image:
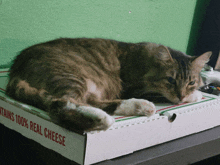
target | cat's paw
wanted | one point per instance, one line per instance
(136, 107)
(194, 97)
(89, 118)
(102, 120)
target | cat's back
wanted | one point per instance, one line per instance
(65, 52)
(85, 63)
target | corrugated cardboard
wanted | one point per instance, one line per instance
(126, 135)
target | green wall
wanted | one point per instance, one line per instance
(26, 22)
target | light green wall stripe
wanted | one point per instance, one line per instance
(26, 22)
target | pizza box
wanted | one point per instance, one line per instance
(125, 136)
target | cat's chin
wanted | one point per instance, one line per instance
(156, 98)
(171, 99)
(177, 101)
(193, 97)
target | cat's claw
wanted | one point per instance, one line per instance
(136, 107)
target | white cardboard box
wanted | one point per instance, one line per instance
(128, 134)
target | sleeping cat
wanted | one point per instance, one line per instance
(82, 82)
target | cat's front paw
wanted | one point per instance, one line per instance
(194, 97)
(136, 107)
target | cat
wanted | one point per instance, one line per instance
(81, 82)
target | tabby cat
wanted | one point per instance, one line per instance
(81, 82)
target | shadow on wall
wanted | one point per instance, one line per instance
(205, 30)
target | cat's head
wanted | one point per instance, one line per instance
(174, 74)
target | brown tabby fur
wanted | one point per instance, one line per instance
(99, 73)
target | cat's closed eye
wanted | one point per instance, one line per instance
(171, 80)
(192, 82)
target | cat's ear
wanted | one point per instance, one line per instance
(164, 53)
(199, 62)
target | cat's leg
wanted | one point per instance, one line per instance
(75, 116)
(63, 108)
(130, 107)
(135, 107)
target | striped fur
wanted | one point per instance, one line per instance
(81, 81)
